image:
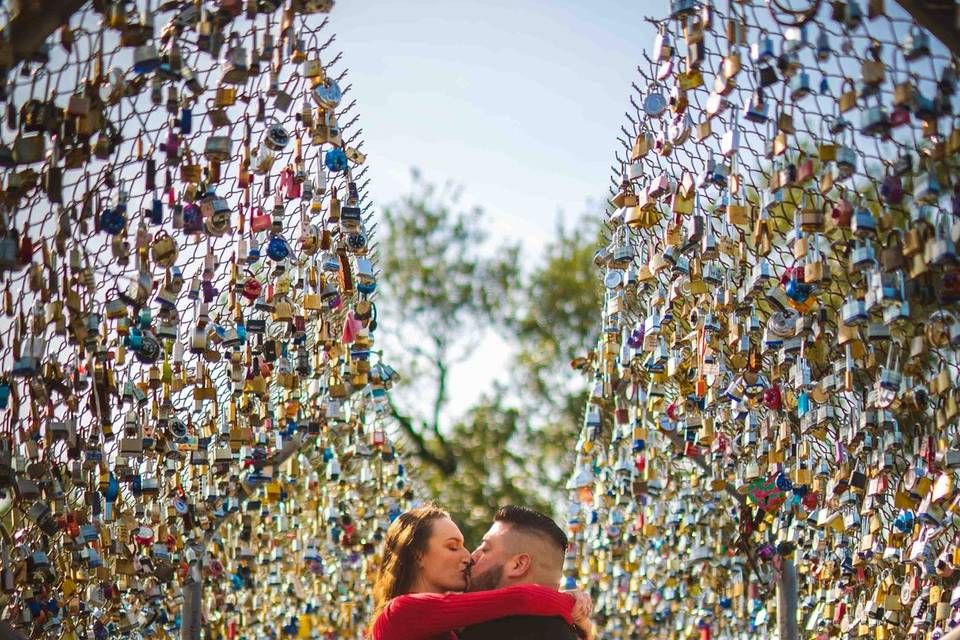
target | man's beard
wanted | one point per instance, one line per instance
(486, 581)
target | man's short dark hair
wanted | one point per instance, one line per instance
(531, 521)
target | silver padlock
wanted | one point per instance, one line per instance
(235, 69)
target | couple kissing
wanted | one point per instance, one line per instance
(430, 587)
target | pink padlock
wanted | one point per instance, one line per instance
(351, 327)
(289, 184)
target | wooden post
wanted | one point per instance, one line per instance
(787, 624)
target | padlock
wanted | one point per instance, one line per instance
(916, 44)
(800, 86)
(662, 47)
(875, 121)
(862, 257)
(756, 108)
(163, 250)
(145, 59)
(853, 312)
(234, 66)
(761, 51)
(941, 249)
(890, 376)
(847, 160)
(327, 94)
(276, 137)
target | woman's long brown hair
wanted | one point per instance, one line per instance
(405, 543)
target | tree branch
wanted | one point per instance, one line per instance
(441, 398)
(446, 464)
(438, 403)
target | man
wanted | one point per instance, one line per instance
(522, 547)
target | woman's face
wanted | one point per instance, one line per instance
(446, 561)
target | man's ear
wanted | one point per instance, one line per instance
(518, 566)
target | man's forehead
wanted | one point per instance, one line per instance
(496, 530)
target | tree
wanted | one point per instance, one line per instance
(445, 289)
(557, 323)
(448, 284)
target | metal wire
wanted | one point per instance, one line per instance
(621, 510)
(257, 572)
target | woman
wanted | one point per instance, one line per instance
(424, 567)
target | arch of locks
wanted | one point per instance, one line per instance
(190, 394)
(192, 406)
(774, 399)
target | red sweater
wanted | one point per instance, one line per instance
(435, 616)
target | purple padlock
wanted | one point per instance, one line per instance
(209, 291)
(171, 147)
(635, 341)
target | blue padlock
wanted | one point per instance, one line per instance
(336, 161)
(156, 211)
(134, 340)
(186, 121)
(761, 51)
(113, 221)
(113, 489)
(756, 110)
(783, 483)
(278, 249)
(796, 290)
(803, 404)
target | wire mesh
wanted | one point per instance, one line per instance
(171, 461)
(662, 526)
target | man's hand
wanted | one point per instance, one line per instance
(582, 610)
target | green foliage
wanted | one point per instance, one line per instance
(432, 253)
(449, 284)
(559, 315)
(493, 467)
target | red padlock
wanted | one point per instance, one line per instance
(143, 536)
(252, 288)
(672, 409)
(772, 398)
(842, 213)
(26, 249)
(259, 221)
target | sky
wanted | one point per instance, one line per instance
(519, 102)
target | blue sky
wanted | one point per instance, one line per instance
(519, 102)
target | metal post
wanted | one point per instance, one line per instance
(939, 18)
(7, 632)
(190, 613)
(952, 635)
(190, 620)
(787, 623)
(35, 21)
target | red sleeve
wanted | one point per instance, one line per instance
(422, 615)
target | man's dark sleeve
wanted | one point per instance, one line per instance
(520, 628)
